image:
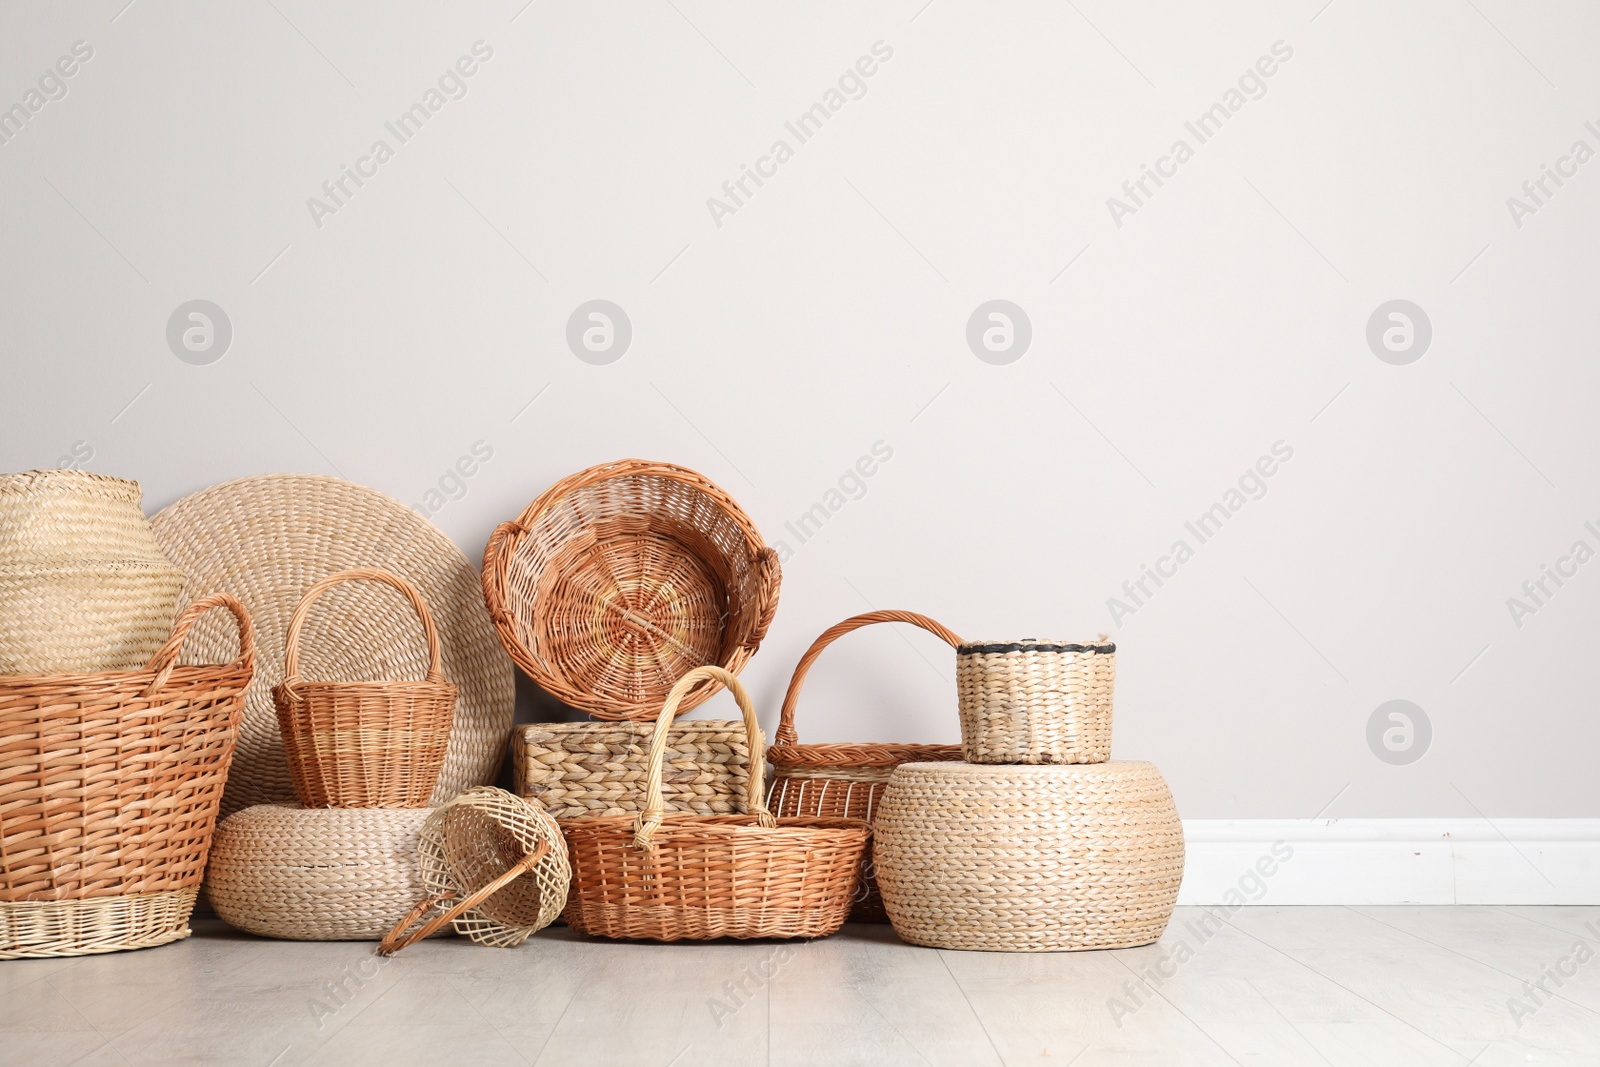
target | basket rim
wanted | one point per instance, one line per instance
(1034, 644)
(375, 688)
(734, 827)
(857, 754)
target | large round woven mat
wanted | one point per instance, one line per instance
(267, 540)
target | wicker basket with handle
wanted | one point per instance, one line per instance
(364, 744)
(109, 787)
(1034, 701)
(844, 780)
(674, 877)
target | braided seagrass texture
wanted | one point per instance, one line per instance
(577, 769)
(844, 780)
(364, 744)
(83, 586)
(269, 539)
(618, 580)
(316, 874)
(109, 787)
(672, 877)
(1036, 701)
(1029, 858)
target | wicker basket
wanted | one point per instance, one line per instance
(1036, 701)
(620, 579)
(364, 744)
(578, 769)
(316, 874)
(844, 780)
(109, 786)
(679, 877)
(1029, 858)
(83, 585)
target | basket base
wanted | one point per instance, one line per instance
(643, 923)
(47, 929)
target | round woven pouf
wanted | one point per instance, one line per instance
(1042, 858)
(316, 874)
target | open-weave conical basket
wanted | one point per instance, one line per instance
(1032, 858)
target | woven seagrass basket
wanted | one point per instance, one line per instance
(83, 584)
(316, 874)
(364, 744)
(1036, 701)
(673, 877)
(844, 780)
(620, 579)
(577, 769)
(1029, 858)
(109, 787)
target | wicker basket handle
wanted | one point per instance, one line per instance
(786, 731)
(297, 621)
(655, 807)
(398, 938)
(166, 657)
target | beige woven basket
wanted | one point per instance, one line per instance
(83, 585)
(1036, 701)
(578, 769)
(316, 874)
(1029, 858)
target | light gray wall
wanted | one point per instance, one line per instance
(1172, 346)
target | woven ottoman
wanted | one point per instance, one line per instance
(1028, 858)
(316, 874)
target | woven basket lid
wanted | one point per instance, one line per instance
(268, 539)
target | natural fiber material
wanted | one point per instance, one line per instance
(109, 786)
(1036, 701)
(844, 780)
(309, 874)
(269, 539)
(678, 877)
(496, 866)
(577, 769)
(364, 744)
(83, 586)
(1029, 858)
(621, 578)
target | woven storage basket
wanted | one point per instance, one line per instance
(316, 874)
(844, 780)
(83, 585)
(620, 579)
(673, 877)
(1036, 701)
(497, 867)
(577, 769)
(364, 744)
(1029, 858)
(109, 786)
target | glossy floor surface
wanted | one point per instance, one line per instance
(1411, 986)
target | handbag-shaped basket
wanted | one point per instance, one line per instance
(109, 788)
(1034, 701)
(844, 780)
(364, 744)
(674, 877)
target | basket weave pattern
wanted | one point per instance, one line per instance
(1029, 858)
(670, 877)
(364, 744)
(1036, 701)
(109, 788)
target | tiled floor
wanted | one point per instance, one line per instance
(1338, 986)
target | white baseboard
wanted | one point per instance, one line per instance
(1392, 861)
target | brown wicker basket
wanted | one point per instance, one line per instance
(364, 744)
(1036, 701)
(677, 877)
(620, 579)
(109, 786)
(844, 780)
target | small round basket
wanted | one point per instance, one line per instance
(620, 579)
(1036, 701)
(364, 744)
(1029, 858)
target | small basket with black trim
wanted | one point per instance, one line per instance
(1036, 701)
